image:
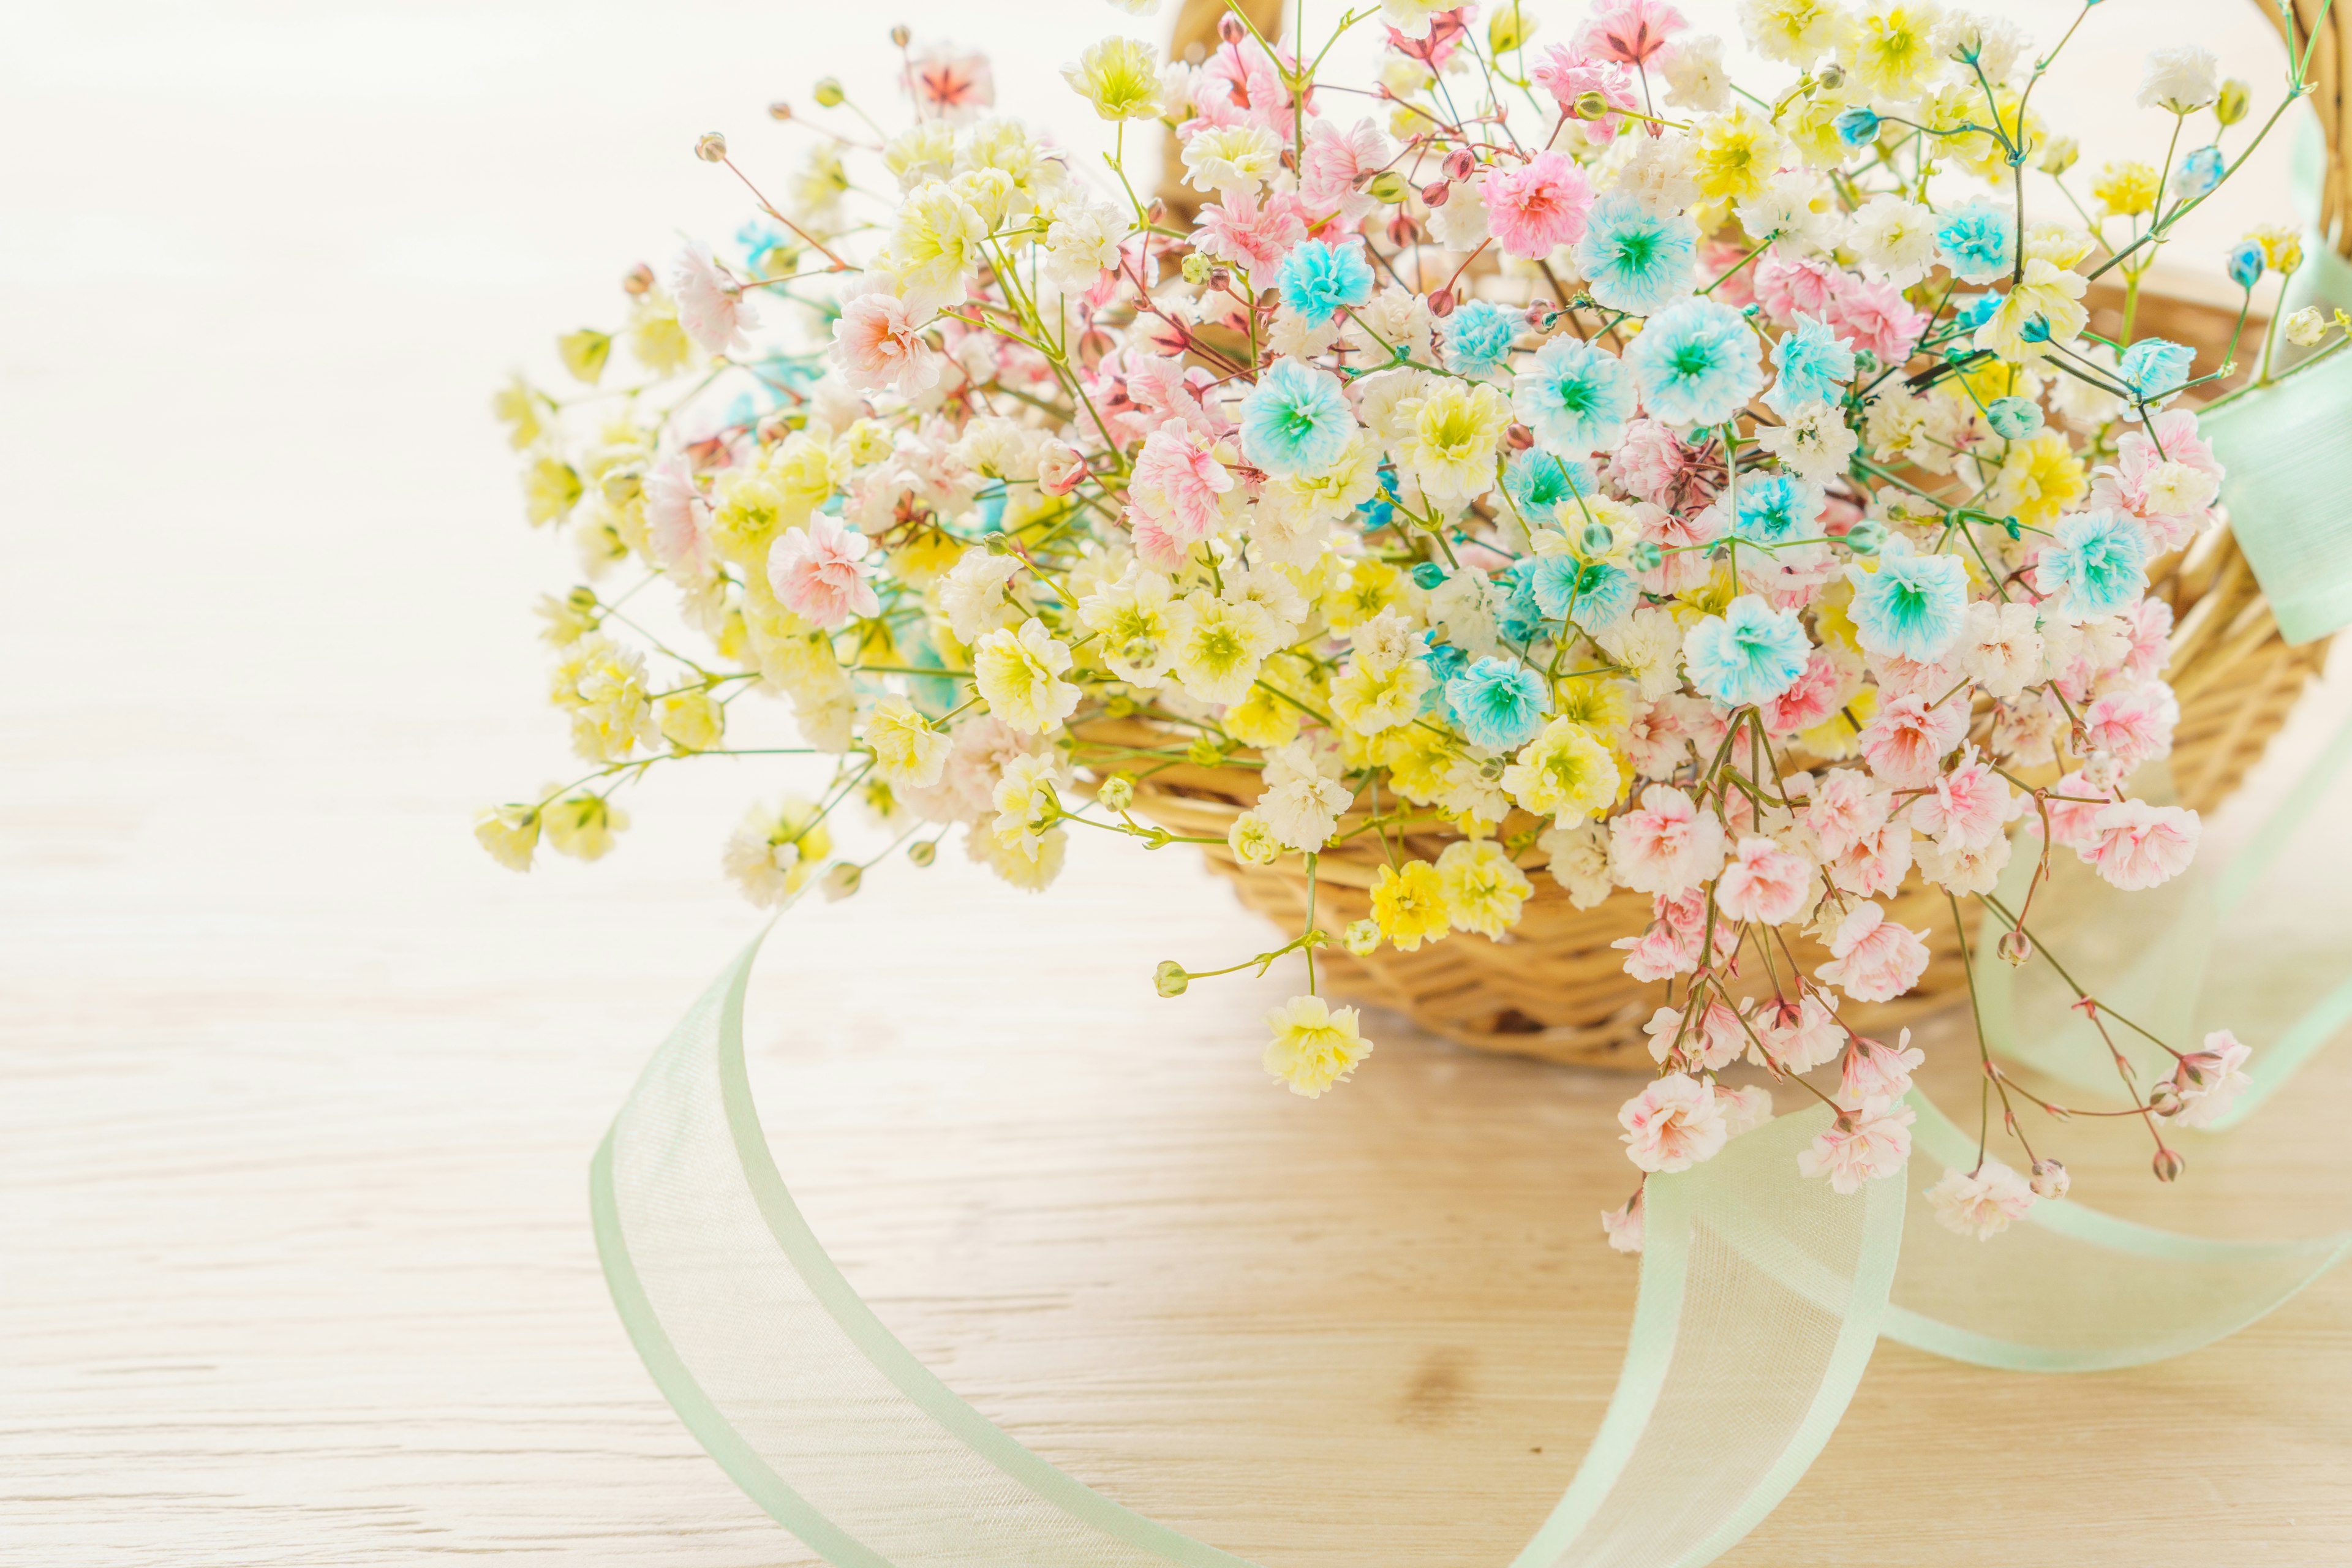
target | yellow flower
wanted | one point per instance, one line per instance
(1811, 125)
(1019, 677)
(1887, 50)
(691, 720)
(1449, 444)
(1370, 586)
(1601, 706)
(2125, 189)
(2282, 248)
(2039, 479)
(509, 833)
(1120, 77)
(800, 472)
(1736, 155)
(1794, 31)
(1315, 1045)
(604, 685)
(550, 489)
(926, 558)
(773, 853)
(1420, 759)
(908, 751)
(1564, 773)
(583, 826)
(1252, 841)
(1409, 903)
(1220, 646)
(1026, 804)
(1369, 698)
(515, 404)
(924, 151)
(1262, 719)
(935, 242)
(2047, 293)
(1135, 618)
(656, 340)
(1483, 888)
(584, 352)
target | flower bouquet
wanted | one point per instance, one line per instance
(1611, 554)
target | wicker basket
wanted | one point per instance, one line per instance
(1554, 986)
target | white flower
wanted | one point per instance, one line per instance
(1303, 797)
(1025, 803)
(1082, 240)
(1655, 171)
(1796, 208)
(2180, 78)
(1983, 1203)
(1695, 75)
(2305, 327)
(972, 594)
(1579, 861)
(1650, 646)
(1230, 159)
(1815, 443)
(1893, 239)
(1992, 44)
(711, 305)
(2000, 647)
(1461, 222)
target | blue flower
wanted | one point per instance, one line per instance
(1477, 338)
(2198, 173)
(2014, 418)
(1775, 509)
(1911, 605)
(1814, 367)
(1978, 240)
(1445, 660)
(1593, 594)
(1296, 419)
(1857, 125)
(1749, 654)
(1316, 280)
(1540, 484)
(2244, 263)
(1634, 260)
(1970, 311)
(1697, 363)
(2154, 368)
(1575, 397)
(2100, 559)
(1381, 510)
(1517, 617)
(1497, 703)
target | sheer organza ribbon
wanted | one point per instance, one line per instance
(1762, 1294)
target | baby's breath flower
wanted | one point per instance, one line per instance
(583, 826)
(1120, 77)
(510, 833)
(1019, 676)
(1315, 1045)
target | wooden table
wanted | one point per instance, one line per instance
(297, 1090)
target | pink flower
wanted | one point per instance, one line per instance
(1748, 1107)
(677, 519)
(1982, 1202)
(1874, 864)
(1250, 232)
(1901, 677)
(1672, 1124)
(1716, 259)
(1657, 743)
(1537, 207)
(710, 304)
(1815, 695)
(1877, 317)
(1874, 959)
(2133, 726)
(1629, 31)
(1667, 846)
(815, 571)
(1623, 1225)
(1652, 464)
(1713, 1042)
(1788, 287)
(1906, 741)
(1568, 77)
(1863, 1145)
(1967, 806)
(2169, 490)
(1845, 809)
(952, 86)
(2151, 633)
(2073, 803)
(2207, 1083)
(1060, 466)
(1873, 1072)
(1179, 485)
(879, 348)
(1334, 161)
(1763, 883)
(1670, 945)
(2134, 845)
(1798, 1033)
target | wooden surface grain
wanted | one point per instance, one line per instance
(297, 1090)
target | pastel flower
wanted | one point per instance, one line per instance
(1484, 890)
(1314, 1046)
(1791, 285)
(1817, 695)
(2207, 1083)
(1499, 703)
(1019, 675)
(1450, 443)
(1763, 883)
(1873, 959)
(1296, 420)
(1538, 206)
(2199, 172)
(2134, 725)
(1408, 905)
(1179, 483)
(1978, 240)
(1875, 317)
(1563, 773)
(1798, 1035)
(1477, 338)
(1814, 367)
(1219, 645)
(1776, 509)
(2098, 563)
(1301, 802)
(1231, 160)
(1629, 31)
(1592, 594)
(1120, 77)
(1568, 75)
(1873, 1071)
(1543, 486)
(1328, 172)
(1967, 806)
(2182, 79)
(2155, 368)
(1666, 845)
(1319, 278)
(950, 86)
(1979, 1203)
(2132, 845)
(710, 304)
(1575, 396)
(815, 571)
(1252, 234)
(877, 346)
(1712, 1041)
(1748, 654)
(677, 519)
(1623, 1225)
(1026, 804)
(1845, 809)
(1905, 740)
(1697, 363)
(908, 753)
(1866, 1145)
(1672, 1124)
(1913, 605)
(1634, 259)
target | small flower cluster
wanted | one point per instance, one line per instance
(1642, 482)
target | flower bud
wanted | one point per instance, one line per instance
(1831, 76)
(1646, 555)
(1220, 277)
(1441, 303)
(1511, 28)
(902, 34)
(1204, 751)
(637, 279)
(2015, 947)
(923, 851)
(710, 147)
(1434, 194)
(1518, 437)
(2164, 1100)
(1117, 792)
(2305, 327)
(2169, 1165)
(2058, 155)
(2236, 98)
(779, 109)
(1229, 28)
(1170, 979)
(1362, 937)
(1866, 537)
(828, 92)
(1389, 186)
(1460, 165)
(841, 879)
(1402, 230)
(2014, 418)
(1541, 317)
(1195, 267)
(2050, 1179)
(1597, 539)
(1590, 106)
